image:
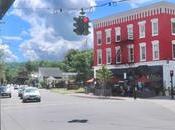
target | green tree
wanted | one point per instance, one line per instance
(80, 62)
(104, 75)
(2, 67)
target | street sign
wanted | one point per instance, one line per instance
(171, 73)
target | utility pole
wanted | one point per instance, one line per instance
(172, 89)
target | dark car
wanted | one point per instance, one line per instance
(5, 91)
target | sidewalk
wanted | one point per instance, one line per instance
(162, 101)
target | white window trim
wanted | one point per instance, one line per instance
(99, 51)
(108, 49)
(129, 57)
(155, 20)
(130, 26)
(106, 31)
(173, 56)
(116, 49)
(99, 33)
(117, 28)
(142, 45)
(140, 24)
(172, 21)
(156, 42)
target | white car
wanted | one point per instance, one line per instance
(31, 94)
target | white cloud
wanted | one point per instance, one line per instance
(12, 38)
(8, 56)
(136, 3)
(51, 34)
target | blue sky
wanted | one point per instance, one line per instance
(40, 34)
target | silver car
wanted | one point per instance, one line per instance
(31, 94)
(5, 91)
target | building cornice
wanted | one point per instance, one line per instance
(134, 14)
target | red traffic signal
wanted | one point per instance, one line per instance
(85, 20)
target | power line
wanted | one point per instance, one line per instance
(61, 10)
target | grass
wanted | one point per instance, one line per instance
(65, 91)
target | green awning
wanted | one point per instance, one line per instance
(4, 6)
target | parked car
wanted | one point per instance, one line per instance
(16, 86)
(31, 94)
(5, 91)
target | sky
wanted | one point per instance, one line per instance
(37, 30)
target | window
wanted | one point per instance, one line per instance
(155, 47)
(118, 34)
(99, 56)
(108, 55)
(142, 29)
(154, 23)
(108, 36)
(173, 49)
(173, 26)
(142, 51)
(130, 31)
(130, 53)
(99, 37)
(118, 54)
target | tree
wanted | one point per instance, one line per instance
(79, 61)
(2, 69)
(104, 75)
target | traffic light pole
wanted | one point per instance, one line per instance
(172, 89)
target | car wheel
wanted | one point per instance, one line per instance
(10, 95)
(39, 100)
(24, 101)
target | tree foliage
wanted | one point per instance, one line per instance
(104, 75)
(74, 61)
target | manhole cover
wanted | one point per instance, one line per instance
(78, 121)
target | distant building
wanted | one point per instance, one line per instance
(45, 73)
(48, 72)
(139, 37)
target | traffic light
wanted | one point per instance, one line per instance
(81, 25)
(78, 26)
(85, 25)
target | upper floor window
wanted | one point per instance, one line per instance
(142, 51)
(118, 54)
(108, 55)
(142, 29)
(108, 36)
(173, 49)
(99, 37)
(118, 34)
(130, 31)
(173, 26)
(154, 24)
(130, 53)
(155, 50)
(99, 56)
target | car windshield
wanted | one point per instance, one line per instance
(2, 88)
(30, 90)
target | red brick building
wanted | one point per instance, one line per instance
(139, 37)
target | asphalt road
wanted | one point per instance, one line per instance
(62, 112)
